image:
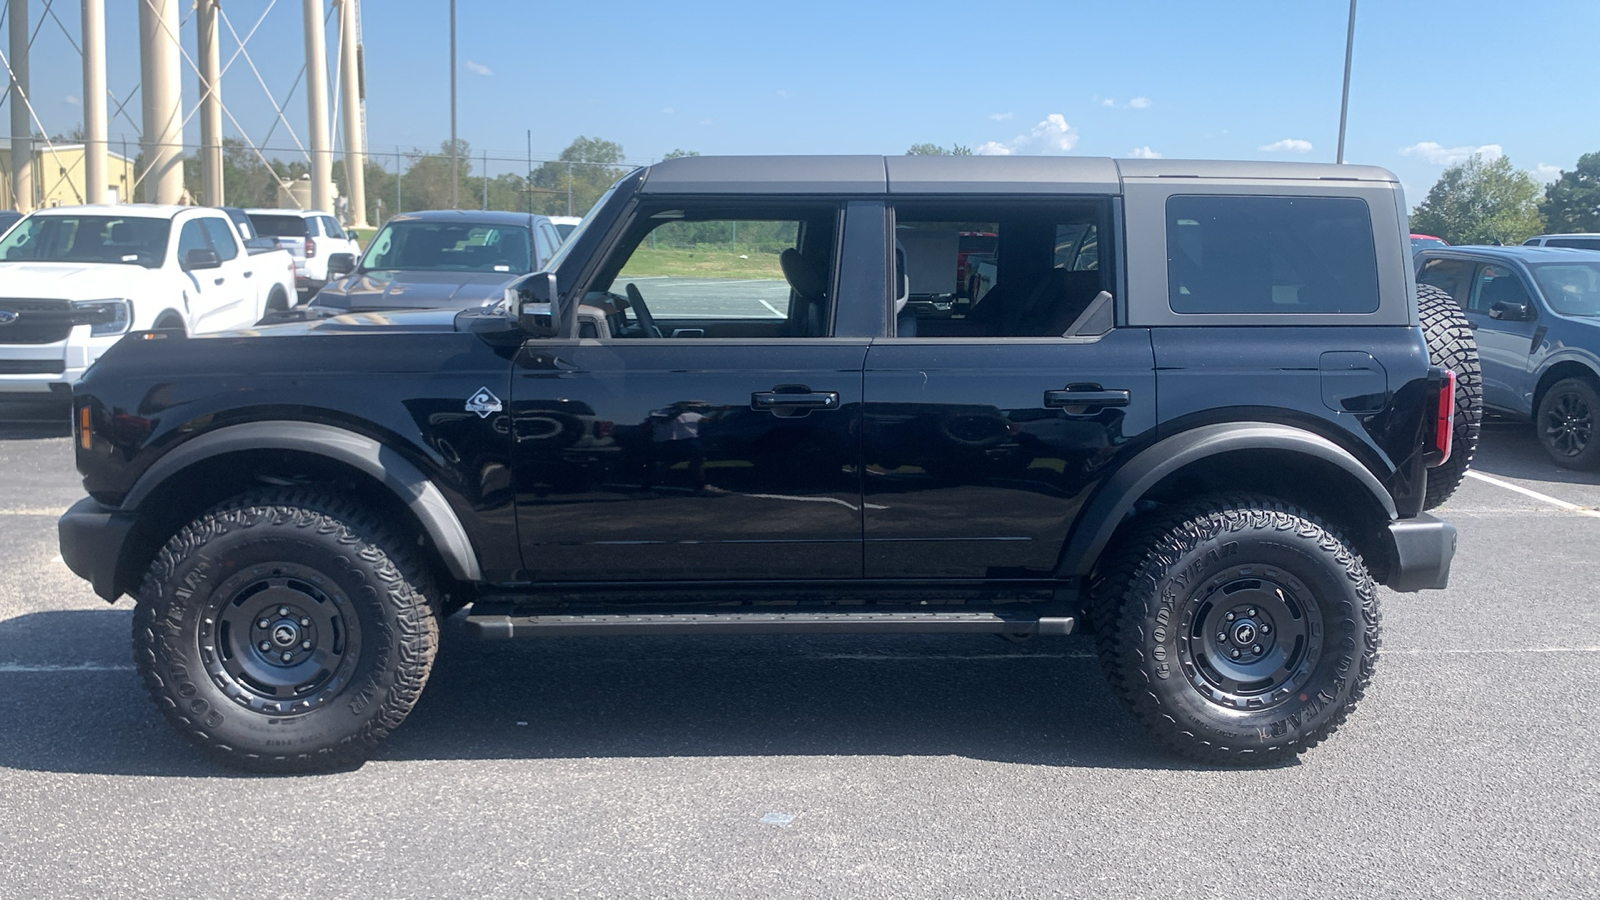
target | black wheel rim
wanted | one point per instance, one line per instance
(280, 639)
(1250, 637)
(1568, 424)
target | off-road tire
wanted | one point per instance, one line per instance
(1452, 346)
(1566, 423)
(1215, 552)
(370, 631)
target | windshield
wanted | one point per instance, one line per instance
(1572, 289)
(88, 239)
(450, 247)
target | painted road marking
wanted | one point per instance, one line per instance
(1543, 498)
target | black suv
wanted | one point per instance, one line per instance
(1185, 405)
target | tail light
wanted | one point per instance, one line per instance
(311, 248)
(1444, 423)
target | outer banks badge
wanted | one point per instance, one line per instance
(483, 403)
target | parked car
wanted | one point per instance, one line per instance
(1572, 241)
(1536, 314)
(1212, 448)
(1420, 242)
(75, 279)
(565, 225)
(270, 253)
(440, 258)
(8, 218)
(311, 237)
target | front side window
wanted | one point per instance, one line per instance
(450, 247)
(192, 236)
(692, 273)
(95, 239)
(1571, 289)
(1251, 255)
(222, 241)
(1497, 284)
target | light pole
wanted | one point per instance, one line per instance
(455, 168)
(1344, 101)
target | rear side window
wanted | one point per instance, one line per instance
(1454, 276)
(1244, 255)
(279, 226)
(1575, 243)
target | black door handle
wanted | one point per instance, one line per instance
(1085, 398)
(249, 273)
(218, 280)
(776, 400)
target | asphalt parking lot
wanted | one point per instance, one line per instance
(844, 766)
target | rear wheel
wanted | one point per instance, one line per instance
(287, 631)
(1245, 634)
(1566, 423)
(1452, 346)
(170, 321)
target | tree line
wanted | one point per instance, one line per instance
(1488, 200)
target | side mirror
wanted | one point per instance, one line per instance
(340, 264)
(1508, 311)
(537, 303)
(200, 258)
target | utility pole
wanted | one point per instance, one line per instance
(455, 169)
(21, 122)
(210, 102)
(162, 95)
(353, 98)
(317, 106)
(1344, 101)
(95, 124)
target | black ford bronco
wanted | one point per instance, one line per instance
(1191, 407)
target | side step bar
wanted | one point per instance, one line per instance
(499, 626)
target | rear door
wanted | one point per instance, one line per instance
(985, 425)
(662, 450)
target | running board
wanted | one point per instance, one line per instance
(501, 626)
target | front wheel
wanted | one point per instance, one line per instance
(1246, 633)
(287, 631)
(1566, 423)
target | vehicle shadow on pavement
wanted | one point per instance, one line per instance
(1510, 449)
(72, 702)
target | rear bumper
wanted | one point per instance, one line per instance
(93, 538)
(1420, 551)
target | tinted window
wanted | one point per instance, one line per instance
(330, 227)
(191, 237)
(279, 226)
(1454, 276)
(1497, 284)
(101, 239)
(450, 247)
(1270, 255)
(222, 239)
(1572, 289)
(1577, 243)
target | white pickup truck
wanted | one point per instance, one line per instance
(74, 280)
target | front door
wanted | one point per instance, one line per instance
(711, 428)
(985, 431)
(1505, 346)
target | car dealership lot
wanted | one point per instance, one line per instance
(844, 766)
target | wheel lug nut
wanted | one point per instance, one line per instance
(287, 656)
(1230, 617)
(265, 646)
(1256, 649)
(305, 623)
(263, 623)
(283, 610)
(1250, 612)
(1222, 636)
(305, 645)
(1234, 653)
(1266, 629)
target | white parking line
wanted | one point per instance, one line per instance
(35, 668)
(58, 512)
(775, 311)
(1543, 498)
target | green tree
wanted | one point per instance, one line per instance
(572, 183)
(1572, 202)
(1481, 201)
(936, 150)
(679, 154)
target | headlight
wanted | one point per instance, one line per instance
(104, 317)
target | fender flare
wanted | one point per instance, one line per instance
(384, 464)
(1111, 503)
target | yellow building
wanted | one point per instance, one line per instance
(58, 177)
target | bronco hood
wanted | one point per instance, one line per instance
(403, 289)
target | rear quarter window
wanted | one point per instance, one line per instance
(1272, 255)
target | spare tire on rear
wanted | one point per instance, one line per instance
(1451, 346)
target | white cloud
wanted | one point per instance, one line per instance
(1001, 117)
(1053, 134)
(1144, 153)
(1135, 103)
(782, 93)
(1108, 102)
(73, 101)
(1139, 103)
(992, 148)
(478, 68)
(705, 121)
(1544, 173)
(668, 110)
(1435, 154)
(1287, 145)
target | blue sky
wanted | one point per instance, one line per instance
(1245, 79)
